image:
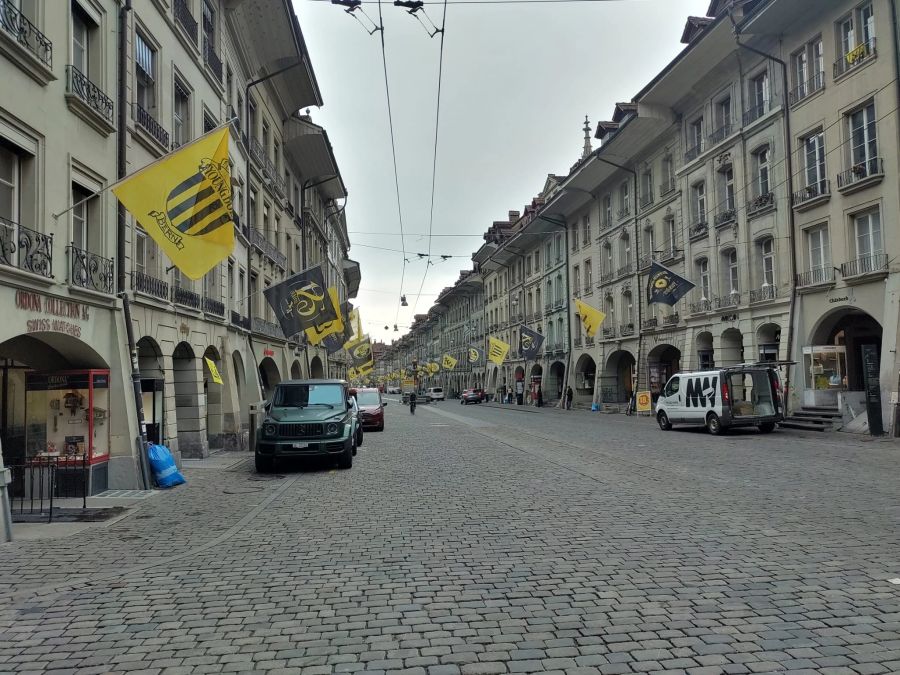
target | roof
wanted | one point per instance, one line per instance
(693, 27)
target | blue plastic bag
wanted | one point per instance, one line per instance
(162, 464)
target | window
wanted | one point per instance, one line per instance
(528, 266)
(251, 120)
(801, 70)
(867, 231)
(624, 207)
(559, 289)
(625, 250)
(9, 190)
(863, 141)
(586, 230)
(698, 202)
(558, 247)
(574, 235)
(759, 96)
(648, 243)
(646, 187)
(726, 178)
(265, 138)
(808, 65)
(628, 308)
(537, 260)
(547, 254)
(209, 123)
(695, 137)
(608, 254)
(671, 233)
(252, 220)
(588, 275)
(607, 210)
(818, 249)
(814, 161)
(211, 283)
(181, 115)
(723, 119)
(703, 277)
(732, 278)
(668, 174)
(229, 290)
(577, 324)
(145, 74)
(140, 251)
(81, 30)
(761, 169)
(610, 307)
(549, 292)
(767, 256)
(81, 217)
(209, 25)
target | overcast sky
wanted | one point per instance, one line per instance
(518, 81)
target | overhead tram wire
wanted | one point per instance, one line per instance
(437, 123)
(500, 2)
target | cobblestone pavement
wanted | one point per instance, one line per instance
(485, 540)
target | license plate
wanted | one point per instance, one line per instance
(300, 446)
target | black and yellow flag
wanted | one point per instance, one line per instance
(497, 350)
(591, 317)
(301, 302)
(475, 355)
(332, 327)
(448, 362)
(183, 202)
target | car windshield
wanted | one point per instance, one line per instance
(303, 395)
(368, 398)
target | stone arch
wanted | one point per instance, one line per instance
(663, 361)
(190, 408)
(271, 376)
(243, 391)
(296, 370)
(214, 398)
(851, 328)
(706, 355)
(585, 377)
(731, 347)
(556, 380)
(617, 381)
(768, 341)
(316, 369)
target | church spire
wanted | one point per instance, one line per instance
(587, 139)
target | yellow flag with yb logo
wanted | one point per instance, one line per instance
(591, 317)
(497, 350)
(183, 202)
(448, 362)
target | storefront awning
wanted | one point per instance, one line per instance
(307, 147)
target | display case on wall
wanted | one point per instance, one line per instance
(67, 422)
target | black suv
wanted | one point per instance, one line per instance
(308, 418)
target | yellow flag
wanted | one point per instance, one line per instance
(356, 325)
(183, 202)
(318, 333)
(497, 350)
(448, 362)
(591, 318)
(213, 371)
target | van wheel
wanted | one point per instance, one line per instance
(663, 420)
(767, 428)
(714, 424)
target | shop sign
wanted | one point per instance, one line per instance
(268, 352)
(37, 303)
(871, 367)
(644, 401)
(55, 381)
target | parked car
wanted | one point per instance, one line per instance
(308, 418)
(371, 409)
(482, 393)
(434, 394)
(738, 396)
(470, 396)
(394, 390)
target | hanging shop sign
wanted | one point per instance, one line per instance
(45, 307)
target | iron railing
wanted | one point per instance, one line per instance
(258, 152)
(211, 59)
(766, 292)
(757, 110)
(855, 57)
(144, 283)
(263, 327)
(818, 275)
(38, 481)
(700, 306)
(627, 268)
(646, 199)
(761, 203)
(693, 152)
(667, 186)
(700, 228)
(26, 249)
(185, 297)
(867, 264)
(184, 17)
(649, 324)
(609, 393)
(725, 216)
(729, 300)
(812, 192)
(578, 342)
(25, 33)
(91, 271)
(808, 88)
(268, 248)
(671, 319)
(148, 123)
(873, 166)
(609, 332)
(240, 321)
(588, 341)
(623, 212)
(720, 134)
(78, 85)
(626, 329)
(213, 306)
(645, 260)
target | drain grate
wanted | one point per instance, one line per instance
(126, 494)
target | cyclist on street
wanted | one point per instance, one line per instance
(412, 403)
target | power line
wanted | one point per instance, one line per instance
(497, 2)
(421, 256)
(415, 234)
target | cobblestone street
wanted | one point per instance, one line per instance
(482, 540)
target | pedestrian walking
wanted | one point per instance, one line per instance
(569, 395)
(540, 397)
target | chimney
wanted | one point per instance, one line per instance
(513, 216)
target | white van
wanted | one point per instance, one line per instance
(434, 394)
(747, 395)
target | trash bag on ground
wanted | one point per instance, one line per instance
(162, 464)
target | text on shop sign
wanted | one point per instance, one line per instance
(42, 304)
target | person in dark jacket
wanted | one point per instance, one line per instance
(540, 397)
(569, 395)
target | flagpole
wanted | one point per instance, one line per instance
(142, 169)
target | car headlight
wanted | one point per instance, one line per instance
(270, 429)
(332, 428)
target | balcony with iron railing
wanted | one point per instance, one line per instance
(268, 249)
(258, 153)
(606, 277)
(623, 212)
(148, 285)
(267, 328)
(211, 59)
(609, 332)
(213, 306)
(720, 134)
(649, 324)
(671, 319)
(860, 54)
(577, 342)
(730, 300)
(815, 277)
(26, 249)
(625, 269)
(812, 195)
(588, 341)
(860, 175)
(876, 263)
(87, 99)
(16, 25)
(576, 292)
(726, 215)
(667, 187)
(806, 89)
(645, 260)
(185, 19)
(147, 123)
(757, 110)
(560, 303)
(91, 271)
(699, 228)
(185, 297)
(702, 305)
(240, 321)
(626, 329)
(646, 199)
(761, 204)
(693, 152)
(765, 293)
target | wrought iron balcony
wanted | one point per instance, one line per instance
(668, 252)
(816, 276)
(808, 88)
(560, 303)
(258, 152)
(855, 57)
(720, 134)
(667, 186)
(860, 173)
(609, 332)
(816, 192)
(693, 152)
(606, 277)
(649, 324)
(185, 19)
(757, 110)
(185, 297)
(79, 86)
(671, 319)
(627, 268)
(578, 342)
(725, 216)
(623, 212)
(144, 283)
(605, 224)
(268, 248)
(538, 314)
(626, 329)
(645, 260)
(867, 264)
(148, 123)
(211, 59)
(26, 249)
(213, 306)
(576, 292)
(16, 24)
(588, 341)
(730, 300)
(91, 271)
(263, 327)
(700, 228)
(646, 199)
(240, 321)
(766, 292)
(548, 307)
(761, 203)
(700, 306)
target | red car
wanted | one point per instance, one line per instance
(371, 409)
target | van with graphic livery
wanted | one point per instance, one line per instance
(746, 395)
